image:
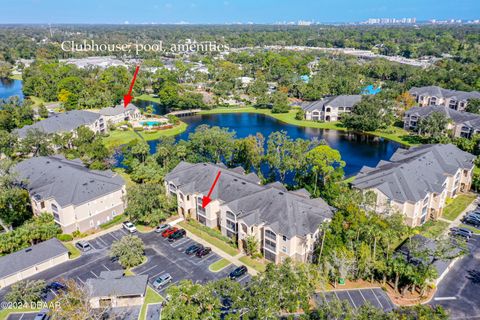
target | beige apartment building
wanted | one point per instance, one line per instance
(285, 224)
(78, 198)
(330, 108)
(418, 181)
(436, 96)
(117, 114)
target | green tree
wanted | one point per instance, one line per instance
(129, 250)
(324, 161)
(251, 246)
(370, 114)
(26, 291)
(434, 125)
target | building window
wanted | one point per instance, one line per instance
(244, 228)
(328, 109)
(114, 213)
(231, 225)
(284, 249)
(270, 245)
(200, 209)
(270, 234)
(230, 215)
(173, 189)
(284, 238)
(42, 204)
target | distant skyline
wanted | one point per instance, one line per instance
(231, 11)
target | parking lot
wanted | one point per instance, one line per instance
(22, 316)
(166, 257)
(358, 297)
(459, 290)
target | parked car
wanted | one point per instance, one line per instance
(127, 225)
(83, 246)
(179, 234)
(238, 272)
(169, 232)
(56, 286)
(114, 259)
(162, 280)
(471, 220)
(42, 315)
(162, 228)
(461, 232)
(203, 252)
(193, 249)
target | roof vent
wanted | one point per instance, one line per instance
(28, 250)
(235, 179)
(243, 182)
(91, 181)
(48, 161)
(281, 193)
(59, 167)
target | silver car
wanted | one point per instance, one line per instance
(162, 280)
(162, 228)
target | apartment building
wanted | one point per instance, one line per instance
(418, 181)
(77, 197)
(436, 96)
(330, 108)
(67, 122)
(461, 124)
(119, 113)
(285, 223)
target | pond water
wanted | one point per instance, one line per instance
(10, 87)
(357, 150)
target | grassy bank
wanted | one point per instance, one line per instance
(151, 297)
(219, 265)
(392, 133)
(458, 205)
(117, 137)
(255, 264)
(147, 97)
(16, 76)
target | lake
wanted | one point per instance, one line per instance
(10, 87)
(357, 150)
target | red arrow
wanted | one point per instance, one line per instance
(128, 97)
(206, 200)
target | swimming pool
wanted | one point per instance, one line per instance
(150, 123)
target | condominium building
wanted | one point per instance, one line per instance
(330, 108)
(436, 96)
(285, 223)
(77, 197)
(418, 181)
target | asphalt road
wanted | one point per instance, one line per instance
(459, 291)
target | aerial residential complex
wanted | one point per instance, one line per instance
(119, 113)
(330, 108)
(286, 224)
(462, 124)
(67, 122)
(77, 197)
(436, 96)
(417, 182)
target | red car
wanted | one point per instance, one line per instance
(168, 232)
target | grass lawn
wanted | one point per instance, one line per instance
(4, 313)
(16, 76)
(150, 297)
(255, 264)
(220, 244)
(74, 252)
(433, 229)
(469, 227)
(143, 229)
(393, 133)
(460, 203)
(219, 265)
(148, 97)
(117, 137)
(117, 220)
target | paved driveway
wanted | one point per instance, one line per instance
(22, 316)
(459, 291)
(358, 297)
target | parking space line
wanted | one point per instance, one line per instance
(93, 274)
(378, 300)
(166, 287)
(336, 295)
(178, 242)
(365, 300)
(156, 275)
(81, 280)
(353, 302)
(106, 267)
(21, 317)
(91, 245)
(146, 270)
(102, 241)
(111, 234)
(241, 279)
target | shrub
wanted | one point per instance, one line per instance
(65, 237)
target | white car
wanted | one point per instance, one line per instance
(127, 225)
(162, 228)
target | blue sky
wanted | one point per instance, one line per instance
(230, 11)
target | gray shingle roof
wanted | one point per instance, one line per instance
(333, 101)
(117, 110)
(470, 119)
(61, 122)
(444, 93)
(115, 284)
(67, 181)
(287, 213)
(411, 174)
(31, 256)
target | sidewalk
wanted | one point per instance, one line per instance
(457, 221)
(235, 259)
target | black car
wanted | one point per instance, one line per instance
(114, 259)
(461, 232)
(471, 221)
(203, 252)
(193, 249)
(238, 272)
(57, 286)
(179, 234)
